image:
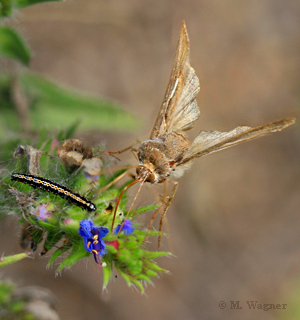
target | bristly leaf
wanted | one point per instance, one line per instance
(153, 255)
(13, 46)
(51, 240)
(144, 209)
(107, 275)
(65, 247)
(153, 266)
(78, 252)
(4, 261)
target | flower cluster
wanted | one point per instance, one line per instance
(93, 237)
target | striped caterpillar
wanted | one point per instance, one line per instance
(55, 188)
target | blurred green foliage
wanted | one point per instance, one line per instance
(13, 46)
(10, 306)
(59, 107)
(29, 101)
(7, 7)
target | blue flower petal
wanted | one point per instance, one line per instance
(127, 227)
(103, 232)
(100, 231)
(85, 229)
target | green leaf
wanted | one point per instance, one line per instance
(78, 252)
(52, 239)
(153, 255)
(11, 259)
(42, 138)
(136, 282)
(124, 256)
(54, 106)
(151, 233)
(37, 235)
(107, 274)
(51, 228)
(13, 46)
(111, 249)
(25, 3)
(6, 289)
(5, 8)
(154, 266)
(47, 146)
(126, 277)
(9, 119)
(144, 209)
(59, 252)
(146, 278)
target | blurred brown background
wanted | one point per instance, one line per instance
(235, 220)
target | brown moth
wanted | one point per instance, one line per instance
(169, 153)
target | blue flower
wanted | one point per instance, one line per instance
(92, 239)
(127, 227)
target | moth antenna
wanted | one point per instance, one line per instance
(119, 199)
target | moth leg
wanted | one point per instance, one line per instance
(112, 153)
(167, 204)
(164, 201)
(117, 152)
(152, 220)
(165, 196)
(118, 202)
(117, 179)
(131, 148)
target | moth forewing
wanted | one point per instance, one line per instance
(179, 108)
(211, 141)
(187, 110)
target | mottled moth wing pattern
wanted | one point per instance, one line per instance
(179, 109)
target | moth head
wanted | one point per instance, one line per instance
(145, 172)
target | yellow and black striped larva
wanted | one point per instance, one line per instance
(55, 188)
